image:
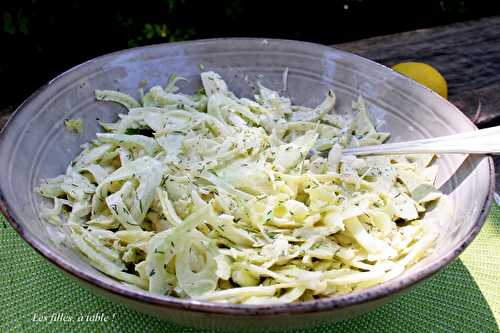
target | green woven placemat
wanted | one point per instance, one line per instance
(464, 297)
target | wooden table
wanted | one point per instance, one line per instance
(467, 54)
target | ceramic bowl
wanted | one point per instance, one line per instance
(35, 145)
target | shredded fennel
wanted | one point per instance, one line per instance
(74, 125)
(220, 198)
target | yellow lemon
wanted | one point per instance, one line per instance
(424, 74)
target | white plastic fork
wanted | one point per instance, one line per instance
(484, 141)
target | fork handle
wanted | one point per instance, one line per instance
(484, 141)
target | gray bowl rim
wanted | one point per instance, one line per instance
(319, 305)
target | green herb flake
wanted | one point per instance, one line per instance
(144, 131)
(74, 125)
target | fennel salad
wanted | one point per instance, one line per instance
(220, 198)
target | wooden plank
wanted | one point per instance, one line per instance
(466, 53)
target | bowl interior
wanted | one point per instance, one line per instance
(35, 144)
